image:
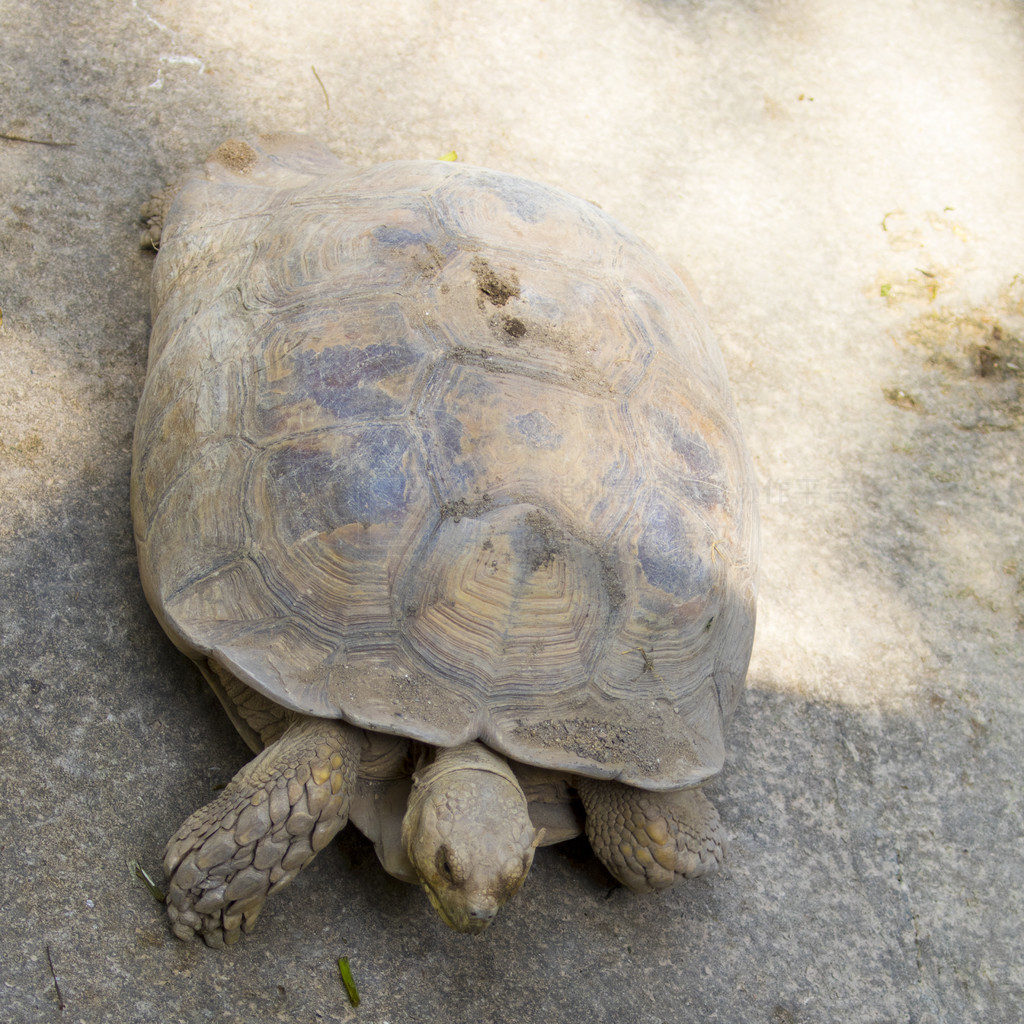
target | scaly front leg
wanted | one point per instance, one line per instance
(270, 821)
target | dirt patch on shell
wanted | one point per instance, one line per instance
(594, 740)
(463, 508)
(496, 288)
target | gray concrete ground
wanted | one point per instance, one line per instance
(844, 181)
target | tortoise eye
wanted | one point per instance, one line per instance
(444, 866)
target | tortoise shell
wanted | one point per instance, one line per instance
(447, 454)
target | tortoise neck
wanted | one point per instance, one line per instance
(465, 757)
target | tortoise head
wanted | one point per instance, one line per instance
(468, 834)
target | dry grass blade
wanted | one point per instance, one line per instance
(140, 873)
(33, 142)
(53, 974)
(327, 98)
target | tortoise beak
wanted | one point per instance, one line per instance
(471, 921)
(479, 917)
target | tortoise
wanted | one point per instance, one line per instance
(437, 478)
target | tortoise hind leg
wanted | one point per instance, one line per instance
(650, 840)
(269, 822)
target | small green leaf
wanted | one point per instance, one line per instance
(346, 980)
(451, 156)
(885, 289)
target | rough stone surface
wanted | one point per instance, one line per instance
(844, 182)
